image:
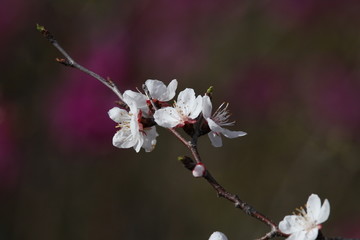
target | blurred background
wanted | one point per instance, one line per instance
(290, 70)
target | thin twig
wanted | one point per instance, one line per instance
(68, 61)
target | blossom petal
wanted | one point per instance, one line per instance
(138, 143)
(291, 224)
(232, 134)
(167, 117)
(134, 124)
(215, 139)
(157, 89)
(185, 99)
(118, 115)
(206, 107)
(301, 235)
(171, 90)
(138, 99)
(312, 234)
(324, 212)
(226, 132)
(195, 108)
(214, 126)
(123, 139)
(313, 206)
(150, 139)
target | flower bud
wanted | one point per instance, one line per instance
(218, 236)
(198, 170)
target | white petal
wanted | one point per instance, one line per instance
(312, 234)
(138, 99)
(218, 236)
(215, 139)
(171, 90)
(324, 212)
(185, 98)
(123, 139)
(134, 124)
(232, 134)
(150, 139)
(195, 108)
(138, 143)
(167, 117)
(301, 235)
(118, 115)
(214, 126)
(313, 206)
(157, 89)
(206, 107)
(291, 224)
(227, 133)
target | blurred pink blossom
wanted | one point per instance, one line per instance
(12, 16)
(261, 89)
(167, 33)
(350, 227)
(334, 96)
(290, 13)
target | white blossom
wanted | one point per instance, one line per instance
(186, 109)
(216, 121)
(131, 132)
(218, 236)
(306, 225)
(158, 91)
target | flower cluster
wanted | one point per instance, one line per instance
(306, 224)
(138, 116)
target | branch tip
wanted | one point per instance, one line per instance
(64, 62)
(40, 28)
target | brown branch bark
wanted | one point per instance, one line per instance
(69, 62)
(240, 204)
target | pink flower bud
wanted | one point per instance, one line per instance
(198, 170)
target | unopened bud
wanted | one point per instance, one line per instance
(218, 236)
(209, 91)
(199, 170)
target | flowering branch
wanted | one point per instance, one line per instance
(139, 114)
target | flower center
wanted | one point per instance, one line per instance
(221, 115)
(307, 222)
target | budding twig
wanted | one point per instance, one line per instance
(69, 62)
(240, 204)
